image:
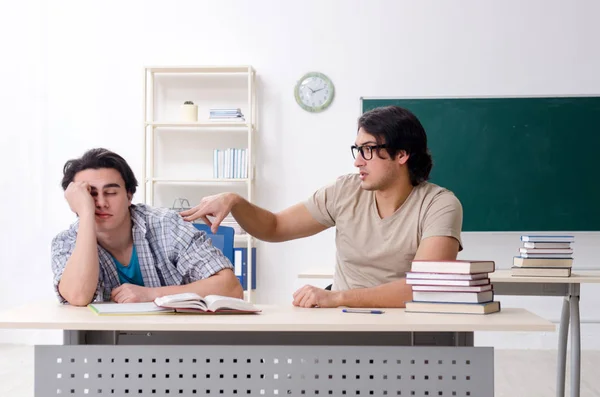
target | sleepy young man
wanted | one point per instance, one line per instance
(129, 253)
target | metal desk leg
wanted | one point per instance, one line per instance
(575, 341)
(71, 337)
(563, 334)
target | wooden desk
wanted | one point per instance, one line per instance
(308, 360)
(567, 287)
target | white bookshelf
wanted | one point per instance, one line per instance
(217, 181)
(178, 155)
(205, 124)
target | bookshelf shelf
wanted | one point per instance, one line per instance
(202, 124)
(242, 69)
(212, 181)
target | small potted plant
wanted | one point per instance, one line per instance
(189, 112)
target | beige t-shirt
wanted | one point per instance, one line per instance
(372, 251)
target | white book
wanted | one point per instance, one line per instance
(446, 276)
(414, 281)
(548, 256)
(546, 250)
(458, 297)
(456, 267)
(546, 245)
(244, 163)
(191, 302)
(221, 164)
(548, 239)
(238, 163)
(227, 163)
(215, 163)
(451, 307)
(542, 262)
(234, 163)
(446, 288)
(540, 272)
(123, 309)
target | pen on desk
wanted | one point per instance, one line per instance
(364, 311)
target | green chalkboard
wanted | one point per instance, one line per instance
(516, 164)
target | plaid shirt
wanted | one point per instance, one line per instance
(170, 252)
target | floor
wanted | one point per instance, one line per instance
(527, 373)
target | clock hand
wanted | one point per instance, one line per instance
(318, 90)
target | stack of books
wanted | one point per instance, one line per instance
(226, 114)
(544, 256)
(460, 286)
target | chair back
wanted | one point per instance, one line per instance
(223, 239)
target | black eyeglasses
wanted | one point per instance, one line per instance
(366, 151)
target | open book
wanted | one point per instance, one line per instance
(187, 302)
(190, 302)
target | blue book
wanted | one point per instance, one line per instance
(241, 266)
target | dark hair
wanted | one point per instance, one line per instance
(96, 159)
(399, 129)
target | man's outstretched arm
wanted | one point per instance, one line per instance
(291, 223)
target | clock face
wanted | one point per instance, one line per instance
(314, 92)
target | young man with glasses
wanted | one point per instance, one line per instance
(385, 216)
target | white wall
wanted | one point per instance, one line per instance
(80, 65)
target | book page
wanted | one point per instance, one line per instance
(216, 302)
(186, 299)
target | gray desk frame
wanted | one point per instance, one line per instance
(569, 316)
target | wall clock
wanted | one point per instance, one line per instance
(314, 92)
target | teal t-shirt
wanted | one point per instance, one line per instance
(130, 274)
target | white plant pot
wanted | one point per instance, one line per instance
(189, 113)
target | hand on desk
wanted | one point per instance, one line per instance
(129, 293)
(309, 296)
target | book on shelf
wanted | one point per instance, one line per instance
(187, 302)
(454, 308)
(225, 110)
(230, 163)
(226, 114)
(542, 262)
(457, 297)
(456, 267)
(540, 272)
(228, 119)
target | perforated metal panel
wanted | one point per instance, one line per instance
(263, 371)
